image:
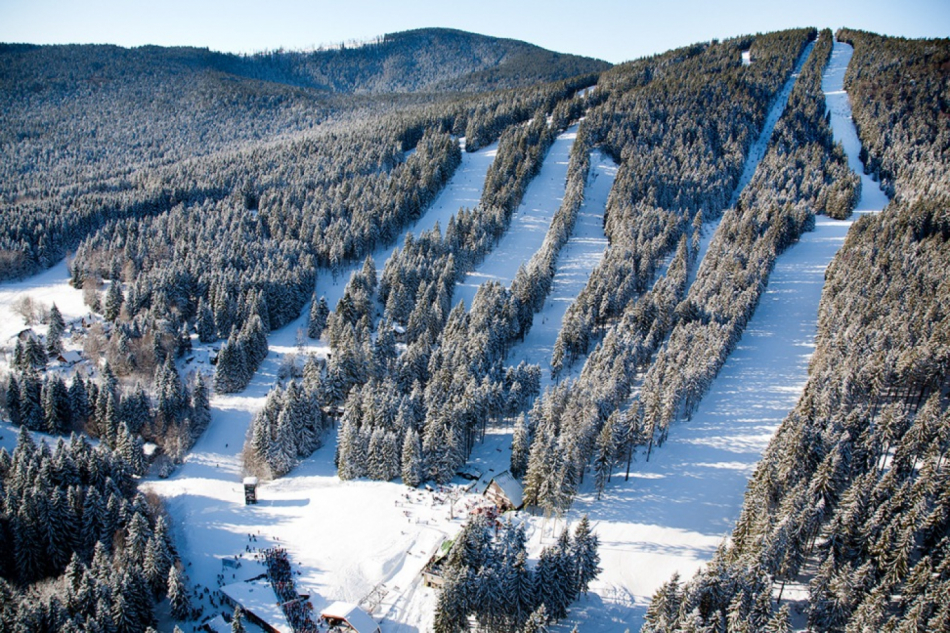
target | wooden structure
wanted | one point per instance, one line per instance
(250, 490)
(505, 492)
(432, 572)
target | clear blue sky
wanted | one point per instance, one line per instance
(614, 30)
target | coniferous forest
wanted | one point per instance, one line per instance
(202, 203)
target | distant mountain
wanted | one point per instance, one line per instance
(107, 109)
(427, 60)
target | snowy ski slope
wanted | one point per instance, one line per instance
(676, 508)
(529, 224)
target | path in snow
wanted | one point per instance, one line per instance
(677, 507)
(579, 256)
(842, 126)
(529, 224)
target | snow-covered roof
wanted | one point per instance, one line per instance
(258, 597)
(511, 487)
(149, 448)
(217, 624)
(359, 620)
(70, 356)
(250, 481)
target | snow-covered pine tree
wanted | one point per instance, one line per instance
(113, 301)
(319, 311)
(178, 596)
(413, 469)
(54, 337)
(520, 448)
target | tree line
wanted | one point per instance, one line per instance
(81, 549)
(487, 578)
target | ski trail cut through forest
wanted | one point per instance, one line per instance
(529, 224)
(676, 508)
(579, 256)
(761, 144)
(842, 126)
(464, 189)
(204, 494)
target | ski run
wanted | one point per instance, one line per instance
(368, 541)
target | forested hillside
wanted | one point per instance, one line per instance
(850, 500)
(199, 194)
(92, 133)
(214, 219)
(670, 178)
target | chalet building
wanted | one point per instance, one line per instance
(69, 358)
(432, 572)
(505, 492)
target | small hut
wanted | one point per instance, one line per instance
(250, 490)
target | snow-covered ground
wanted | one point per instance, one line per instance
(46, 288)
(578, 257)
(529, 224)
(842, 126)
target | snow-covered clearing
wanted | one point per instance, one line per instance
(529, 224)
(46, 288)
(677, 507)
(579, 256)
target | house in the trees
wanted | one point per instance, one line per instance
(344, 616)
(399, 333)
(69, 358)
(505, 492)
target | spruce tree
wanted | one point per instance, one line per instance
(520, 448)
(319, 311)
(13, 401)
(205, 323)
(114, 300)
(178, 596)
(537, 622)
(412, 467)
(54, 342)
(585, 555)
